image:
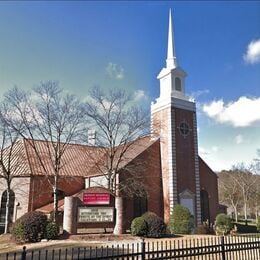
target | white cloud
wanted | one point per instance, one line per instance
(215, 148)
(203, 151)
(253, 52)
(208, 152)
(115, 71)
(215, 163)
(214, 108)
(241, 113)
(239, 139)
(139, 95)
(194, 95)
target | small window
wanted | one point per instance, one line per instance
(3, 206)
(178, 84)
(184, 129)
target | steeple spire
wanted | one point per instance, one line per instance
(171, 61)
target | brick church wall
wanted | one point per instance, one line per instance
(185, 152)
(161, 127)
(209, 183)
(41, 191)
(152, 181)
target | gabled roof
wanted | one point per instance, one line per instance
(134, 149)
(74, 161)
(34, 158)
(15, 159)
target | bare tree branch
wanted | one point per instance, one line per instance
(49, 115)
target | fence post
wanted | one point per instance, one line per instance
(23, 256)
(143, 249)
(223, 248)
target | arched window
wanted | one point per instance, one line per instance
(204, 198)
(3, 206)
(140, 205)
(178, 84)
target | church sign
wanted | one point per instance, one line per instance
(95, 214)
(96, 198)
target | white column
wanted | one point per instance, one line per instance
(68, 216)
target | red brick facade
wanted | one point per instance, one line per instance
(152, 182)
(41, 193)
(185, 153)
(185, 159)
(209, 183)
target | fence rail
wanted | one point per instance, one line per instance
(215, 248)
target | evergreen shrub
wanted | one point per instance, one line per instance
(155, 225)
(181, 220)
(223, 224)
(18, 231)
(52, 230)
(31, 227)
(139, 227)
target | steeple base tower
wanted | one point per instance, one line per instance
(174, 120)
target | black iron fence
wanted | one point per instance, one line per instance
(215, 248)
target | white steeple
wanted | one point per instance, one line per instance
(171, 61)
(172, 77)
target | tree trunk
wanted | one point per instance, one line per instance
(7, 210)
(55, 200)
(236, 217)
(245, 211)
(119, 216)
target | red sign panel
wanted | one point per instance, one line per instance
(96, 198)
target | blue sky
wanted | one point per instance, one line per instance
(124, 44)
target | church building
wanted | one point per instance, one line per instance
(177, 174)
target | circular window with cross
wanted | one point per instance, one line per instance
(184, 129)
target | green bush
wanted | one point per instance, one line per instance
(52, 230)
(223, 224)
(155, 225)
(31, 227)
(258, 224)
(181, 221)
(139, 227)
(18, 231)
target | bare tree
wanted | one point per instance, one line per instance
(119, 126)
(245, 180)
(49, 115)
(254, 201)
(229, 191)
(11, 159)
(255, 194)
